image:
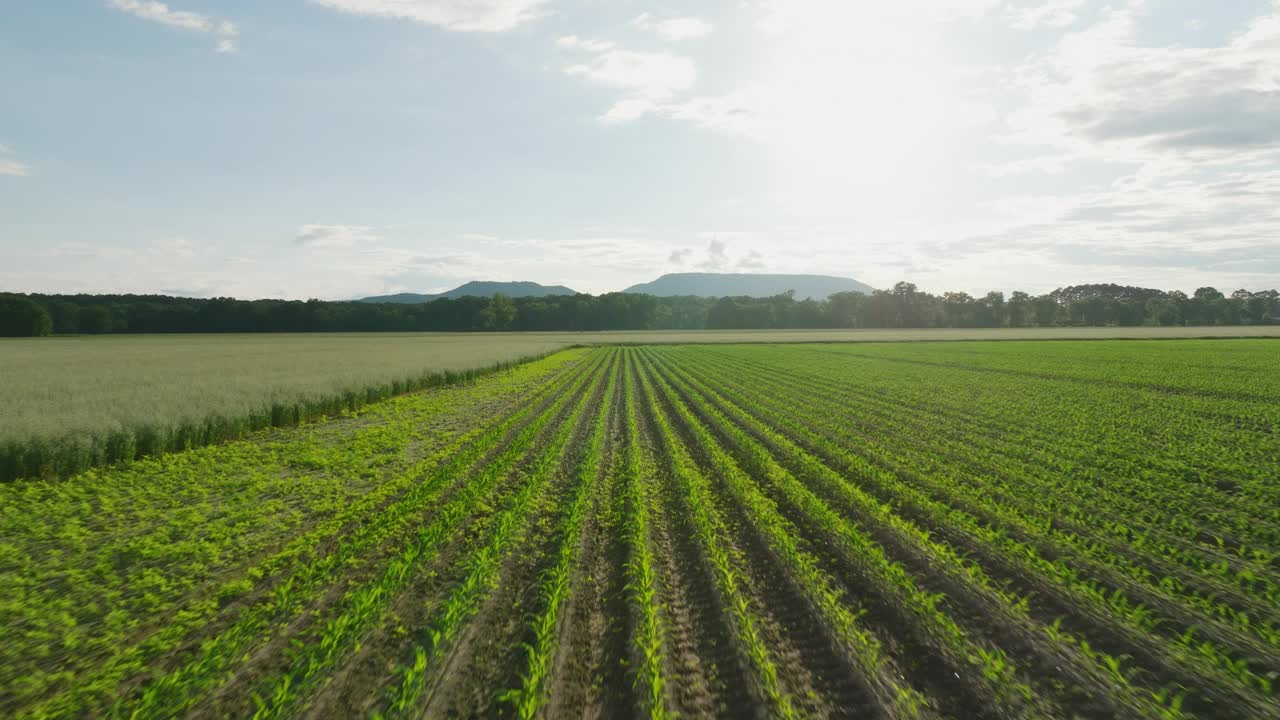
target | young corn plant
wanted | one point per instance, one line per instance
(531, 696)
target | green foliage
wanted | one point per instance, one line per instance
(187, 518)
(77, 403)
(21, 317)
(532, 695)
(1011, 529)
(976, 492)
(902, 306)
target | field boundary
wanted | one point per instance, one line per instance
(62, 457)
(781, 339)
(69, 453)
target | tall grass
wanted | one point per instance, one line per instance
(75, 403)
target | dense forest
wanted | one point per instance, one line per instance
(905, 306)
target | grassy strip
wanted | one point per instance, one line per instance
(183, 687)
(532, 695)
(710, 531)
(63, 457)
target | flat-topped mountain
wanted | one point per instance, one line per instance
(477, 288)
(817, 287)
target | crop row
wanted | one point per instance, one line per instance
(1222, 669)
(682, 531)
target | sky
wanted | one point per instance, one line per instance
(341, 148)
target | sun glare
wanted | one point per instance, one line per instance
(851, 102)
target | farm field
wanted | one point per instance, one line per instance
(897, 530)
(77, 402)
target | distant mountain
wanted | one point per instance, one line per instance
(477, 288)
(817, 287)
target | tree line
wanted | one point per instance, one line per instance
(904, 306)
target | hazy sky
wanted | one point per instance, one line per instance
(338, 148)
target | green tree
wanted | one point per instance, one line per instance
(1091, 311)
(499, 313)
(66, 317)
(1019, 309)
(990, 310)
(1257, 309)
(1046, 310)
(881, 311)
(909, 300)
(958, 308)
(843, 308)
(723, 315)
(23, 317)
(1163, 311)
(95, 319)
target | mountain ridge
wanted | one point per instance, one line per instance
(806, 286)
(476, 288)
(759, 285)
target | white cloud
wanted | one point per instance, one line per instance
(740, 112)
(1101, 91)
(11, 167)
(753, 260)
(161, 13)
(641, 74)
(645, 78)
(335, 235)
(717, 256)
(573, 42)
(783, 16)
(1047, 164)
(683, 28)
(674, 29)
(1190, 137)
(752, 112)
(458, 15)
(1044, 13)
(957, 9)
(628, 109)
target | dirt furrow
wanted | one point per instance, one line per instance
(709, 676)
(812, 667)
(310, 622)
(487, 657)
(589, 671)
(1048, 606)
